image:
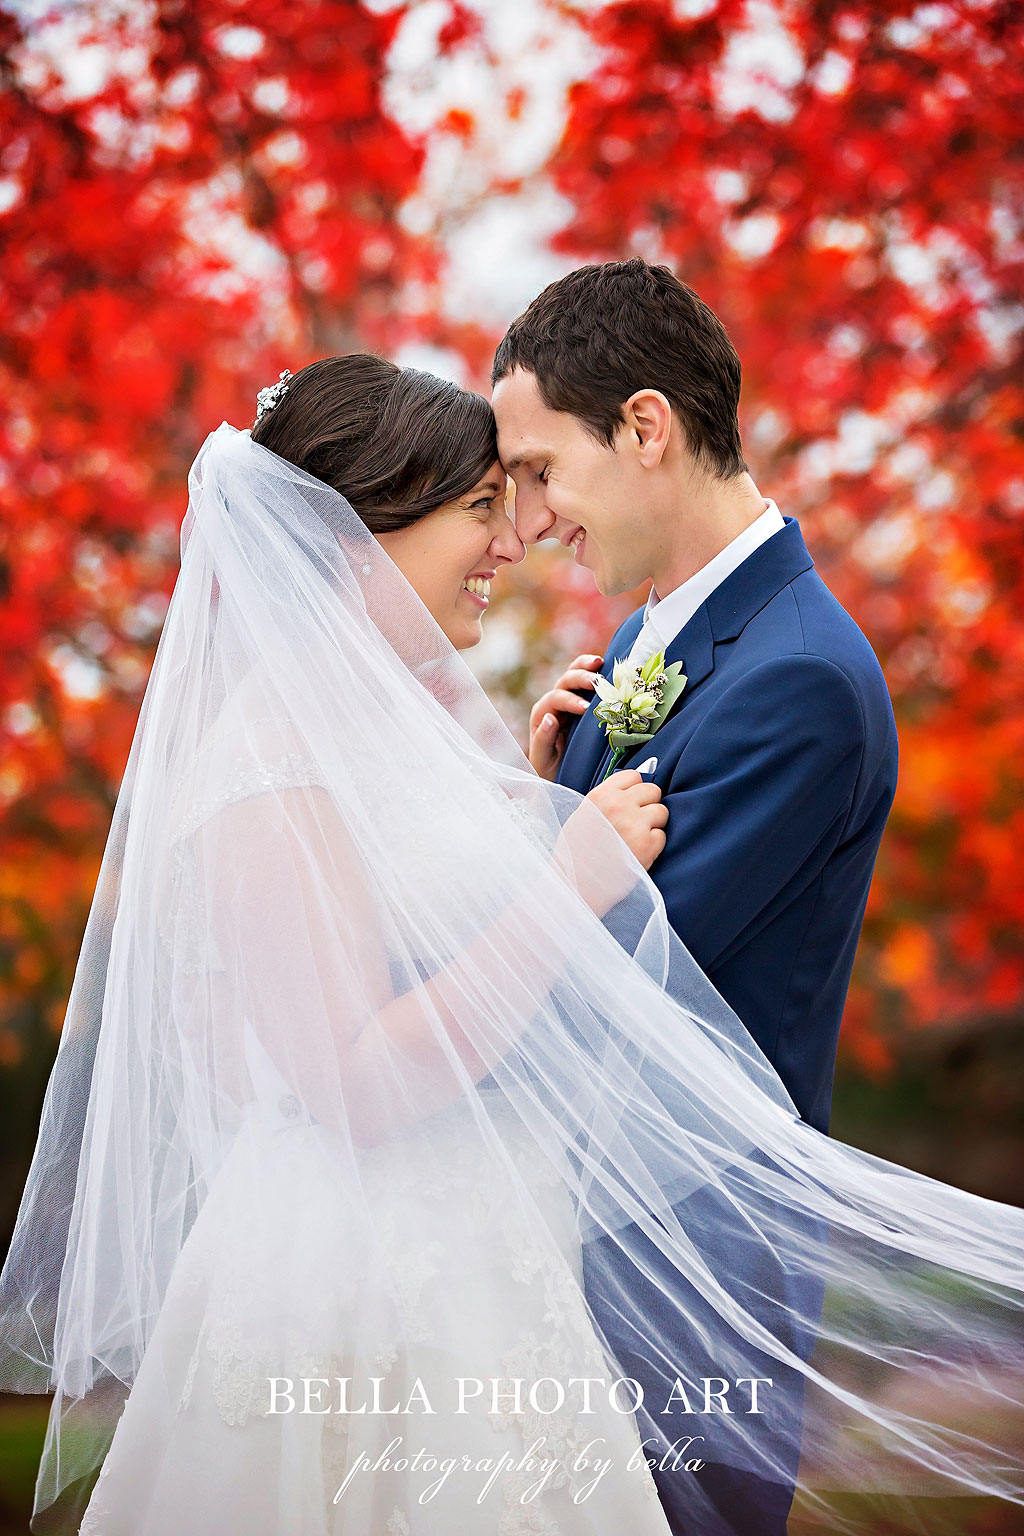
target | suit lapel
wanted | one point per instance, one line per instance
(725, 615)
(722, 617)
(694, 646)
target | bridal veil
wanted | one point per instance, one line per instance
(336, 904)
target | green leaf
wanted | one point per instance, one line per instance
(675, 682)
(653, 665)
(622, 741)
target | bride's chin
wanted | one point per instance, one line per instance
(468, 639)
(464, 631)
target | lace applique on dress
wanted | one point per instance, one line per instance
(292, 771)
(189, 938)
(190, 1376)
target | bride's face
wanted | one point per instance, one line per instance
(451, 555)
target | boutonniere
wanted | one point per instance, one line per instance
(634, 704)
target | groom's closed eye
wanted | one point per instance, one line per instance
(530, 462)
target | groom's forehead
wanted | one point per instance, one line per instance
(528, 430)
(519, 407)
(518, 445)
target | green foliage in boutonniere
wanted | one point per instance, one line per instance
(636, 701)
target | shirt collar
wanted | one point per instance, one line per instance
(666, 616)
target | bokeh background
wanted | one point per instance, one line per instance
(195, 194)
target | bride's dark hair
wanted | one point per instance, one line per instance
(396, 442)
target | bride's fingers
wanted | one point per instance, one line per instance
(546, 747)
(566, 697)
(625, 778)
(646, 793)
(577, 677)
(558, 700)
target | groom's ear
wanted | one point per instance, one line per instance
(648, 420)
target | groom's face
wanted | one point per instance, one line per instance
(570, 487)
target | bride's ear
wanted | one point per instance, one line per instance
(648, 419)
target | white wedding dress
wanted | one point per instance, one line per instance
(197, 1450)
(426, 1269)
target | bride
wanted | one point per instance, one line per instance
(374, 1034)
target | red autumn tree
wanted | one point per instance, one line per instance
(844, 184)
(226, 202)
(223, 203)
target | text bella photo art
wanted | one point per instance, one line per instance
(547, 1457)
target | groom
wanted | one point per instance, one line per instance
(616, 397)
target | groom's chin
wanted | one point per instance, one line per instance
(609, 586)
(608, 583)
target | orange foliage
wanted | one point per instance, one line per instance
(225, 204)
(168, 242)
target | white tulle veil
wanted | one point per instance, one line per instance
(335, 899)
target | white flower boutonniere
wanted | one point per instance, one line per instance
(636, 701)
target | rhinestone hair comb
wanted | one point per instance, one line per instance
(272, 394)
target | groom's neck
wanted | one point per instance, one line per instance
(707, 517)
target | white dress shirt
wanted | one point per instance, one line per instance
(664, 617)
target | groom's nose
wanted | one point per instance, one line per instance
(532, 515)
(508, 545)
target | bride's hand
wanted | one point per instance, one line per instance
(552, 714)
(635, 809)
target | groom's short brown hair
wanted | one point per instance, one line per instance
(600, 333)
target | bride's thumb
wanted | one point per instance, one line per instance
(544, 752)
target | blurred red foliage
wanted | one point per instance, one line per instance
(842, 183)
(223, 203)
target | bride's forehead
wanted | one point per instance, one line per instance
(493, 480)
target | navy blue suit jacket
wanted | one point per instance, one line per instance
(778, 767)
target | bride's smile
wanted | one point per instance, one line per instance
(451, 555)
(479, 586)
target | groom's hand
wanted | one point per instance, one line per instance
(552, 715)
